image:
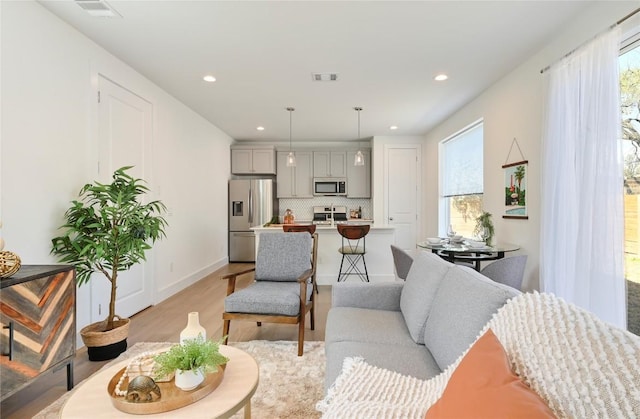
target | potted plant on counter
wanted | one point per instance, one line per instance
(108, 230)
(191, 361)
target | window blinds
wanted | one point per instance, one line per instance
(463, 163)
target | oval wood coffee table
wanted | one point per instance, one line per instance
(90, 400)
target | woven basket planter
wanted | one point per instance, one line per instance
(94, 335)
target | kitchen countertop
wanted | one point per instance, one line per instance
(326, 227)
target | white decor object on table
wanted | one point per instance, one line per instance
(189, 379)
(193, 329)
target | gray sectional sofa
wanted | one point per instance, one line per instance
(417, 327)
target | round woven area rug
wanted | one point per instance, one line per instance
(289, 386)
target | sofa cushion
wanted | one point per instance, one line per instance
(367, 326)
(464, 303)
(414, 361)
(488, 386)
(423, 280)
(267, 298)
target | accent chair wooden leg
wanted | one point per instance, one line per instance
(301, 336)
(225, 331)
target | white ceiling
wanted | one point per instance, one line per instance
(264, 52)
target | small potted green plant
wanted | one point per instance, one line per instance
(484, 228)
(191, 361)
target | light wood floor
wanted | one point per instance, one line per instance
(163, 323)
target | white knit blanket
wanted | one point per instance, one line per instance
(581, 366)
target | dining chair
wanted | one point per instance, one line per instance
(402, 262)
(283, 287)
(508, 271)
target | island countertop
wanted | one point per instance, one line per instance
(378, 257)
(324, 227)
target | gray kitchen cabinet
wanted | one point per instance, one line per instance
(253, 161)
(295, 182)
(359, 177)
(329, 164)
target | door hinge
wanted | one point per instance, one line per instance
(98, 96)
(99, 309)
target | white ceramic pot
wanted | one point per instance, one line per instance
(188, 380)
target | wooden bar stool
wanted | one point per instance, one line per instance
(311, 229)
(353, 250)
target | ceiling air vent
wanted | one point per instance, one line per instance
(98, 8)
(324, 76)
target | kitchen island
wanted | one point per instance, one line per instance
(378, 257)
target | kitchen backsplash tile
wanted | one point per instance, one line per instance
(303, 208)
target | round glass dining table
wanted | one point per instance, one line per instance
(462, 252)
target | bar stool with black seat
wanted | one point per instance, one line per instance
(353, 250)
(311, 229)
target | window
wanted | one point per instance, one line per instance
(630, 107)
(461, 180)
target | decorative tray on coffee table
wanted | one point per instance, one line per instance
(171, 396)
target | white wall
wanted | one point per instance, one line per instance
(49, 85)
(513, 107)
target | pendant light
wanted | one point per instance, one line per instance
(359, 158)
(291, 158)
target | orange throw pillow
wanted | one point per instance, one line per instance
(483, 386)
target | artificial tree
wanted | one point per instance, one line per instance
(108, 230)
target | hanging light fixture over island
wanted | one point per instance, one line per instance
(291, 158)
(359, 158)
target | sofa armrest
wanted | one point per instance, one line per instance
(378, 296)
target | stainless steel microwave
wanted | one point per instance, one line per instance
(329, 186)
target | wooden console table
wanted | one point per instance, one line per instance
(38, 318)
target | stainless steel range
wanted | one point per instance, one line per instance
(325, 215)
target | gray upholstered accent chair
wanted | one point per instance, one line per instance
(283, 287)
(402, 261)
(508, 271)
(311, 229)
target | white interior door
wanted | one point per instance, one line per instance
(125, 135)
(402, 192)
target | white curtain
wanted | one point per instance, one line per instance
(582, 225)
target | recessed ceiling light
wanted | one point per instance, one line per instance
(260, 128)
(441, 77)
(393, 127)
(209, 78)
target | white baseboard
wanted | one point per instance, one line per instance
(182, 283)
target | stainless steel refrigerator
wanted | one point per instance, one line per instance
(252, 202)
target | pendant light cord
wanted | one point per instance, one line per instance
(358, 109)
(290, 125)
